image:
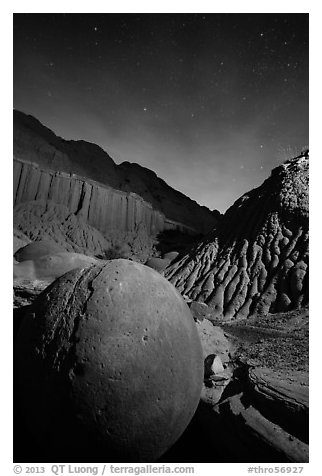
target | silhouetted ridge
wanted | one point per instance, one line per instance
(38, 144)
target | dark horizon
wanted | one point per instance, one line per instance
(210, 102)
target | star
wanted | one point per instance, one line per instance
(145, 109)
(95, 28)
(261, 35)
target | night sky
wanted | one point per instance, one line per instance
(210, 102)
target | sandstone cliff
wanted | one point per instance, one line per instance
(101, 206)
(256, 260)
(36, 144)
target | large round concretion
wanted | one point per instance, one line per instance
(108, 364)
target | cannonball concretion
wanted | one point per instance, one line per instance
(108, 365)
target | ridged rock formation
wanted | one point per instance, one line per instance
(256, 260)
(101, 190)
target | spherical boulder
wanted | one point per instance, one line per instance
(108, 365)
(37, 249)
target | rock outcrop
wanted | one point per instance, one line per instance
(256, 259)
(102, 207)
(41, 221)
(108, 195)
(47, 221)
(263, 415)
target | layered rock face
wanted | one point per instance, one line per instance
(101, 206)
(103, 186)
(256, 260)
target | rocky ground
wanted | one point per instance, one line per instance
(254, 402)
(278, 341)
(259, 403)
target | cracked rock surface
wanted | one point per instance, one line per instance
(108, 365)
(256, 260)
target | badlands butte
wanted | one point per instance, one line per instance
(148, 327)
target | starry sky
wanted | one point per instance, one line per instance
(210, 102)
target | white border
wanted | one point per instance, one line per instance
(165, 6)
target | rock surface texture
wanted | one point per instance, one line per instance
(109, 365)
(262, 416)
(83, 177)
(19, 240)
(101, 206)
(47, 221)
(256, 260)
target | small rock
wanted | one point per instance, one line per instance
(213, 365)
(171, 256)
(211, 395)
(199, 310)
(158, 264)
(219, 377)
